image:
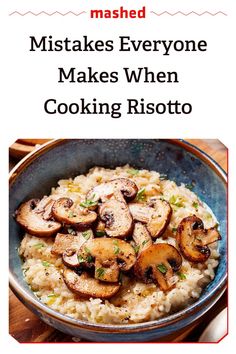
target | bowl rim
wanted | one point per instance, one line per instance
(208, 300)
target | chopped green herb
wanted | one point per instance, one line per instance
(174, 229)
(86, 235)
(89, 259)
(80, 258)
(39, 245)
(46, 264)
(136, 249)
(53, 295)
(100, 233)
(144, 242)
(140, 195)
(177, 201)
(116, 248)
(162, 177)
(189, 186)
(89, 202)
(195, 205)
(71, 214)
(100, 272)
(87, 250)
(133, 172)
(162, 268)
(181, 276)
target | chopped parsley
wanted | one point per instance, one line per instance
(195, 205)
(100, 233)
(89, 259)
(144, 242)
(86, 235)
(174, 229)
(162, 268)
(136, 249)
(100, 272)
(46, 264)
(140, 195)
(71, 214)
(87, 250)
(39, 245)
(89, 202)
(133, 172)
(80, 258)
(181, 276)
(116, 248)
(189, 186)
(177, 201)
(52, 295)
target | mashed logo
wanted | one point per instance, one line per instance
(119, 13)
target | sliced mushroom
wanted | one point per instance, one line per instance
(64, 212)
(33, 221)
(86, 286)
(117, 218)
(123, 186)
(158, 263)
(156, 215)
(45, 207)
(110, 257)
(193, 239)
(141, 237)
(67, 246)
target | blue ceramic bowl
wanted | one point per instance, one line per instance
(37, 173)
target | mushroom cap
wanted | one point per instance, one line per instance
(117, 218)
(156, 215)
(33, 221)
(80, 218)
(104, 191)
(111, 256)
(158, 261)
(193, 239)
(141, 237)
(86, 286)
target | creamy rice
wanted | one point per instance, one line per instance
(136, 301)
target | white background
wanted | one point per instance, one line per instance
(207, 80)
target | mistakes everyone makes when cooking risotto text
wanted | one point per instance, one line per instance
(124, 75)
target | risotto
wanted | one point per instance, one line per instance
(118, 246)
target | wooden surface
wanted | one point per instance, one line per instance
(24, 326)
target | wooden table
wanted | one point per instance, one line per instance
(24, 326)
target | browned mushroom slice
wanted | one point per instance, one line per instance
(158, 263)
(111, 256)
(34, 222)
(67, 246)
(141, 237)
(44, 207)
(193, 239)
(104, 191)
(86, 286)
(156, 215)
(64, 212)
(117, 218)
